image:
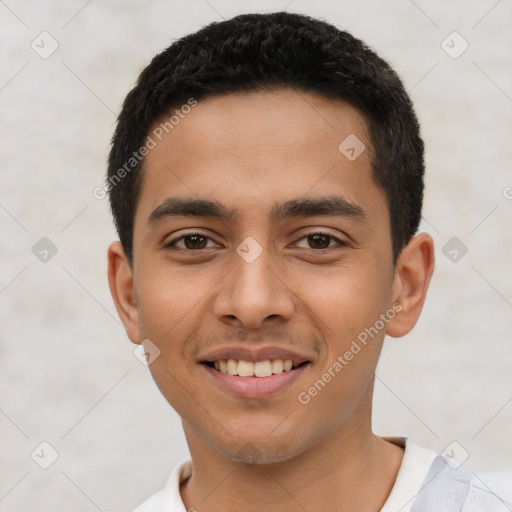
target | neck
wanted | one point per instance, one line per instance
(349, 470)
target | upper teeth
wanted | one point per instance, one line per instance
(250, 369)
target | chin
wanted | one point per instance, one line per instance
(260, 447)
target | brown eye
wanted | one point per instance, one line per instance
(191, 242)
(194, 241)
(321, 241)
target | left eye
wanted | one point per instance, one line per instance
(314, 240)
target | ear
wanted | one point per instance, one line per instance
(120, 280)
(413, 272)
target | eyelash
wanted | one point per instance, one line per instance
(173, 242)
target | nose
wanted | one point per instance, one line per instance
(254, 292)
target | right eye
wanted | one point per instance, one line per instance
(190, 242)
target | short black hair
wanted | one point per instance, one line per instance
(252, 52)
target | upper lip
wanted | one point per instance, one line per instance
(253, 354)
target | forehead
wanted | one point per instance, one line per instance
(251, 150)
(245, 122)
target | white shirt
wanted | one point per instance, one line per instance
(424, 484)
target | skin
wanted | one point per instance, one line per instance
(249, 151)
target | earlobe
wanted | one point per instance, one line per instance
(120, 280)
(413, 272)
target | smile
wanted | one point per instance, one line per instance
(261, 369)
(254, 379)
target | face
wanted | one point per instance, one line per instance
(262, 271)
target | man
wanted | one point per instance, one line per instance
(266, 181)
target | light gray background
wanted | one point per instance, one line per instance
(68, 373)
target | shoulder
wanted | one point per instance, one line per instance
(429, 482)
(153, 503)
(169, 498)
(480, 499)
(458, 488)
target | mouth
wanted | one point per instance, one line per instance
(256, 369)
(255, 379)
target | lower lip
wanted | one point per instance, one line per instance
(255, 387)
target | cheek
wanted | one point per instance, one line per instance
(167, 297)
(344, 299)
(347, 307)
(169, 313)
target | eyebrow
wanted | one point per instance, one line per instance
(301, 207)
